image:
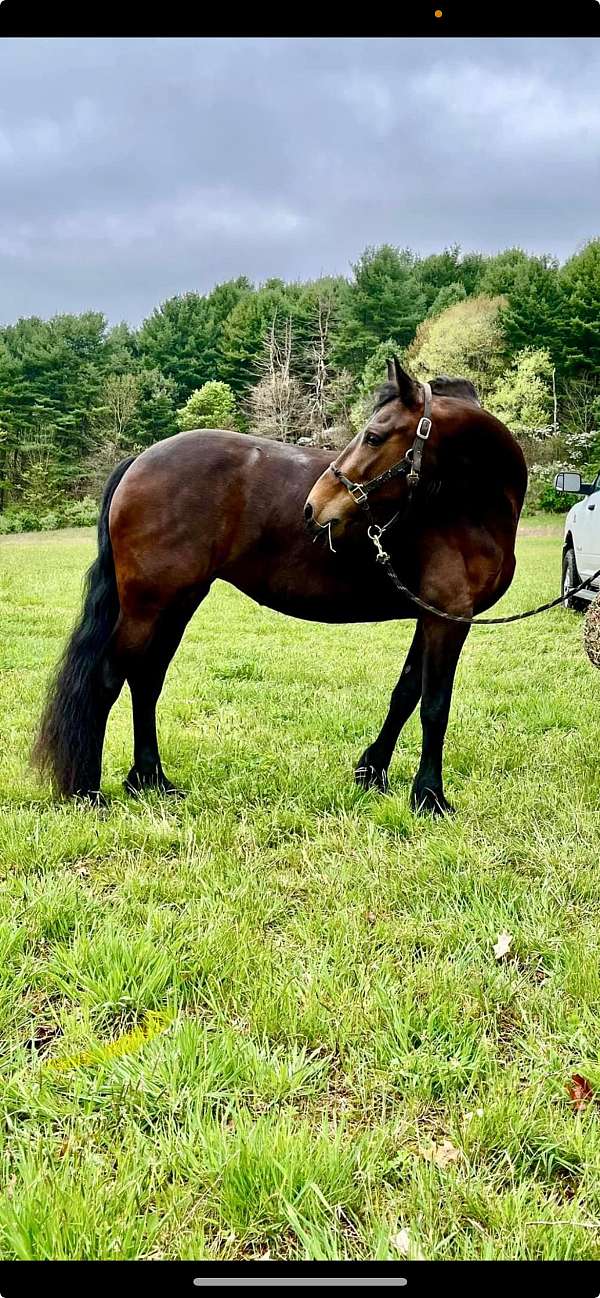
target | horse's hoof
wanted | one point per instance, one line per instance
(426, 802)
(134, 790)
(372, 777)
(136, 784)
(92, 797)
(171, 791)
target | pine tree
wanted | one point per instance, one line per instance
(446, 297)
(244, 332)
(220, 303)
(501, 271)
(156, 417)
(580, 284)
(472, 267)
(534, 315)
(372, 377)
(176, 339)
(385, 301)
(438, 272)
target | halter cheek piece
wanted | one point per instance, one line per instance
(409, 466)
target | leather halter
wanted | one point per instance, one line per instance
(409, 465)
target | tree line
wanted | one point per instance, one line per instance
(300, 360)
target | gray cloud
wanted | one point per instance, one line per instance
(134, 169)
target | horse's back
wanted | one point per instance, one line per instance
(205, 445)
(214, 462)
(193, 503)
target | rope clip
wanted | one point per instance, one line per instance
(374, 534)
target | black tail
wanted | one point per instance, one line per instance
(69, 743)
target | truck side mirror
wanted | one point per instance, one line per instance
(569, 482)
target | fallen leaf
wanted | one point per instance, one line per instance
(580, 1092)
(503, 945)
(43, 1037)
(402, 1242)
(442, 1155)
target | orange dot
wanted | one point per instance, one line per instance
(438, 13)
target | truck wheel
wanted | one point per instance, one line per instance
(570, 579)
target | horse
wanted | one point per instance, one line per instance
(276, 521)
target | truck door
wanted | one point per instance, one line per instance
(588, 560)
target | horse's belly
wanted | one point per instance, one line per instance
(334, 606)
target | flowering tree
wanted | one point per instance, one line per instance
(465, 341)
(522, 396)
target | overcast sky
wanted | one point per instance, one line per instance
(133, 169)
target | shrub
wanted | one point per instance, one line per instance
(18, 520)
(555, 502)
(49, 522)
(80, 513)
(71, 513)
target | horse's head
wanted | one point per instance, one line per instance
(384, 443)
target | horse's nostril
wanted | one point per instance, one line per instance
(308, 512)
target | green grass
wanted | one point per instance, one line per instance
(323, 957)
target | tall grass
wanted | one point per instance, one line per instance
(320, 961)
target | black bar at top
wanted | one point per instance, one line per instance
(175, 18)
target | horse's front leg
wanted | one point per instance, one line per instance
(442, 645)
(372, 769)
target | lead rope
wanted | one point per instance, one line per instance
(374, 533)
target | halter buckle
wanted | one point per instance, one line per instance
(357, 493)
(424, 420)
(412, 479)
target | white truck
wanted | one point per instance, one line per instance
(581, 547)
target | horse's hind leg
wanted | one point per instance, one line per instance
(372, 769)
(146, 647)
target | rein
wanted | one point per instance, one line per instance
(410, 466)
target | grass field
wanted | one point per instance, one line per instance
(336, 1065)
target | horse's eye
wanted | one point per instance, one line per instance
(373, 440)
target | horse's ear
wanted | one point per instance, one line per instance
(408, 388)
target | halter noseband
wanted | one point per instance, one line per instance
(409, 465)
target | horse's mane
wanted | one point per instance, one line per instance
(443, 386)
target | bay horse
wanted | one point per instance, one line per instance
(273, 520)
